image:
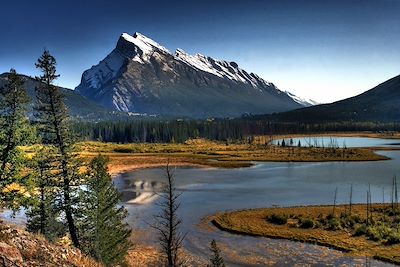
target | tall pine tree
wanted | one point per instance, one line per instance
(43, 214)
(53, 124)
(13, 123)
(104, 235)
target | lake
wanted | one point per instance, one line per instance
(327, 141)
(207, 190)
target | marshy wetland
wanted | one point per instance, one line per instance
(215, 178)
(209, 191)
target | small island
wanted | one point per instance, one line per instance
(361, 229)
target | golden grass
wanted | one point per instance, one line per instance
(200, 152)
(254, 223)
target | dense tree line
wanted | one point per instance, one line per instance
(158, 130)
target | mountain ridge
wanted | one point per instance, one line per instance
(381, 103)
(142, 76)
(79, 107)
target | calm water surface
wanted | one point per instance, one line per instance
(206, 191)
(326, 141)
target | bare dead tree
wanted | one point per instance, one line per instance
(334, 202)
(367, 207)
(383, 194)
(167, 222)
(396, 198)
(351, 199)
(393, 192)
(370, 202)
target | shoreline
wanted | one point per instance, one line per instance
(254, 222)
(116, 170)
(204, 153)
(383, 135)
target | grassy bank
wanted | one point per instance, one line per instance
(200, 152)
(339, 229)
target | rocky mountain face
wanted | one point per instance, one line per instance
(141, 76)
(78, 106)
(381, 103)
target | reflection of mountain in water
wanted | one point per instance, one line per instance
(140, 192)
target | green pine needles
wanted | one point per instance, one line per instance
(104, 234)
(13, 124)
(216, 260)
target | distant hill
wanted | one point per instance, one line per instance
(381, 103)
(141, 76)
(78, 106)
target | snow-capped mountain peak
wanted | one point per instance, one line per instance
(140, 75)
(136, 48)
(145, 44)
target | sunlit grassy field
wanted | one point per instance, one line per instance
(200, 152)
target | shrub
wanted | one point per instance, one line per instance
(378, 232)
(347, 221)
(123, 150)
(334, 224)
(306, 223)
(277, 219)
(330, 216)
(361, 230)
(393, 238)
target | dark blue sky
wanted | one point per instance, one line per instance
(325, 50)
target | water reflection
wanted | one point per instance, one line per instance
(139, 192)
(206, 191)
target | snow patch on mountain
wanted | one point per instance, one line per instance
(105, 71)
(145, 44)
(223, 69)
(143, 47)
(303, 101)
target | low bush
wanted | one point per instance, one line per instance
(277, 219)
(360, 230)
(306, 223)
(334, 224)
(378, 232)
(347, 221)
(393, 238)
(123, 150)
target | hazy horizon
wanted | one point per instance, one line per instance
(323, 51)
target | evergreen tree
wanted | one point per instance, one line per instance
(13, 123)
(43, 214)
(104, 235)
(216, 260)
(53, 125)
(283, 144)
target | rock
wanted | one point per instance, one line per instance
(9, 255)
